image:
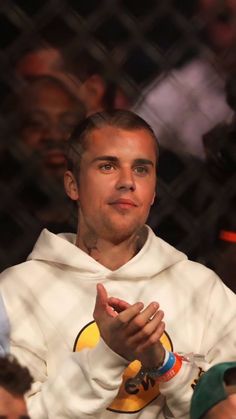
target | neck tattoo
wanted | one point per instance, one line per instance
(90, 242)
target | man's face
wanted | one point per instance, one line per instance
(116, 183)
(223, 410)
(50, 115)
(38, 63)
(220, 19)
(12, 407)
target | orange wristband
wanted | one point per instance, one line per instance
(172, 372)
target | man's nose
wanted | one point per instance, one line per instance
(126, 180)
(54, 133)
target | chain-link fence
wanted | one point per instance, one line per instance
(173, 62)
(153, 56)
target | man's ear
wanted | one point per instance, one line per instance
(153, 199)
(71, 186)
(95, 88)
(154, 193)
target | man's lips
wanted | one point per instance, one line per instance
(54, 156)
(123, 203)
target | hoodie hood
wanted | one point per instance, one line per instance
(155, 256)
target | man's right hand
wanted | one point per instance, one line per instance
(129, 330)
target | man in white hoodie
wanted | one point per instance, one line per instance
(137, 359)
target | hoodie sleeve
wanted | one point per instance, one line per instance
(66, 384)
(4, 329)
(218, 345)
(84, 385)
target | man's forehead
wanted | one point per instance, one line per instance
(120, 144)
(52, 104)
(109, 135)
(12, 405)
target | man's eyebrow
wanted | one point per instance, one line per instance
(144, 161)
(35, 111)
(115, 160)
(108, 158)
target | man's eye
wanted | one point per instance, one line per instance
(66, 128)
(141, 170)
(34, 124)
(106, 167)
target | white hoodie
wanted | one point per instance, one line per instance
(50, 301)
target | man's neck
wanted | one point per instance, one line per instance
(109, 254)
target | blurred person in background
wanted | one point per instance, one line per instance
(96, 88)
(47, 112)
(214, 396)
(83, 74)
(199, 198)
(219, 31)
(220, 146)
(187, 102)
(39, 120)
(15, 381)
(39, 60)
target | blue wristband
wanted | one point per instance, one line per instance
(168, 365)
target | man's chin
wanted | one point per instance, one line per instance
(55, 159)
(119, 232)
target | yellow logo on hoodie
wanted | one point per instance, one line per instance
(131, 397)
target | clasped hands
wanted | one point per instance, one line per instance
(131, 331)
